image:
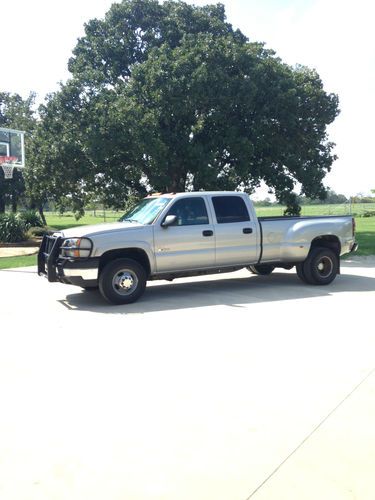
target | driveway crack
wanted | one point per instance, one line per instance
(311, 434)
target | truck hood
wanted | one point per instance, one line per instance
(93, 230)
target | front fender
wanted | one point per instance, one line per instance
(105, 247)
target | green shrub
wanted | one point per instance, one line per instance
(369, 213)
(39, 231)
(12, 229)
(30, 219)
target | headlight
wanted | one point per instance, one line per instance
(76, 248)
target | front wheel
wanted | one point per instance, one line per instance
(122, 281)
(320, 267)
(261, 269)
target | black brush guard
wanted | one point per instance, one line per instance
(47, 257)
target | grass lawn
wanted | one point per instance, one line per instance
(365, 227)
(366, 235)
(60, 222)
(12, 262)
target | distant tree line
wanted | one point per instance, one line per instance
(332, 198)
(362, 199)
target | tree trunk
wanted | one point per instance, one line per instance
(14, 203)
(2, 204)
(41, 213)
(177, 184)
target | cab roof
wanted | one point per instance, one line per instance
(195, 193)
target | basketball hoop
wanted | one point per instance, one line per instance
(8, 165)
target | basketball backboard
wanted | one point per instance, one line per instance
(12, 147)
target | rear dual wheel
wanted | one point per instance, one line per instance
(320, 267)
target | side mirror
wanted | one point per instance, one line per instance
(169, 220)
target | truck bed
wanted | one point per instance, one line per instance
(288, 238)
(299, 217)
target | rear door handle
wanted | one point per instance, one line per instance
(247, 230)
(208, 233)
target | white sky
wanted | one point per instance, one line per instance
(334, 36)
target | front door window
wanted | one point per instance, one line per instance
(189, 212)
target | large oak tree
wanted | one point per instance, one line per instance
(170, 97)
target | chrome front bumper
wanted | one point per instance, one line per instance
(81, 272)
(85, 274)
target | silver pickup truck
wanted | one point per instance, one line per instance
(169, 236)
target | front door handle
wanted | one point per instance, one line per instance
(208, 233)
(247, 230)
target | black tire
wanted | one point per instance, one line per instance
(261, 269)
(300, 273)
(122, 281)
(321, 266)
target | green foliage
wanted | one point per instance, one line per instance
(16, 112)
(292, 206)
(362, 199)
(369, 213)
(330, 197)
(38, 231)
(216, 114)
(132, 29)
(30, 219)
(12, 229)
(169, 97)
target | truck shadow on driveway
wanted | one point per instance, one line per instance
(226, 291)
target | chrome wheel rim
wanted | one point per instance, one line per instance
(325, 267)
(124, 282)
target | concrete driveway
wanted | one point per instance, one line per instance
(218, 388)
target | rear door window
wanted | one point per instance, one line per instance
(229, 209)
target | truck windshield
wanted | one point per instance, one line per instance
(146, 211)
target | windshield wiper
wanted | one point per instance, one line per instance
(129, 220)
